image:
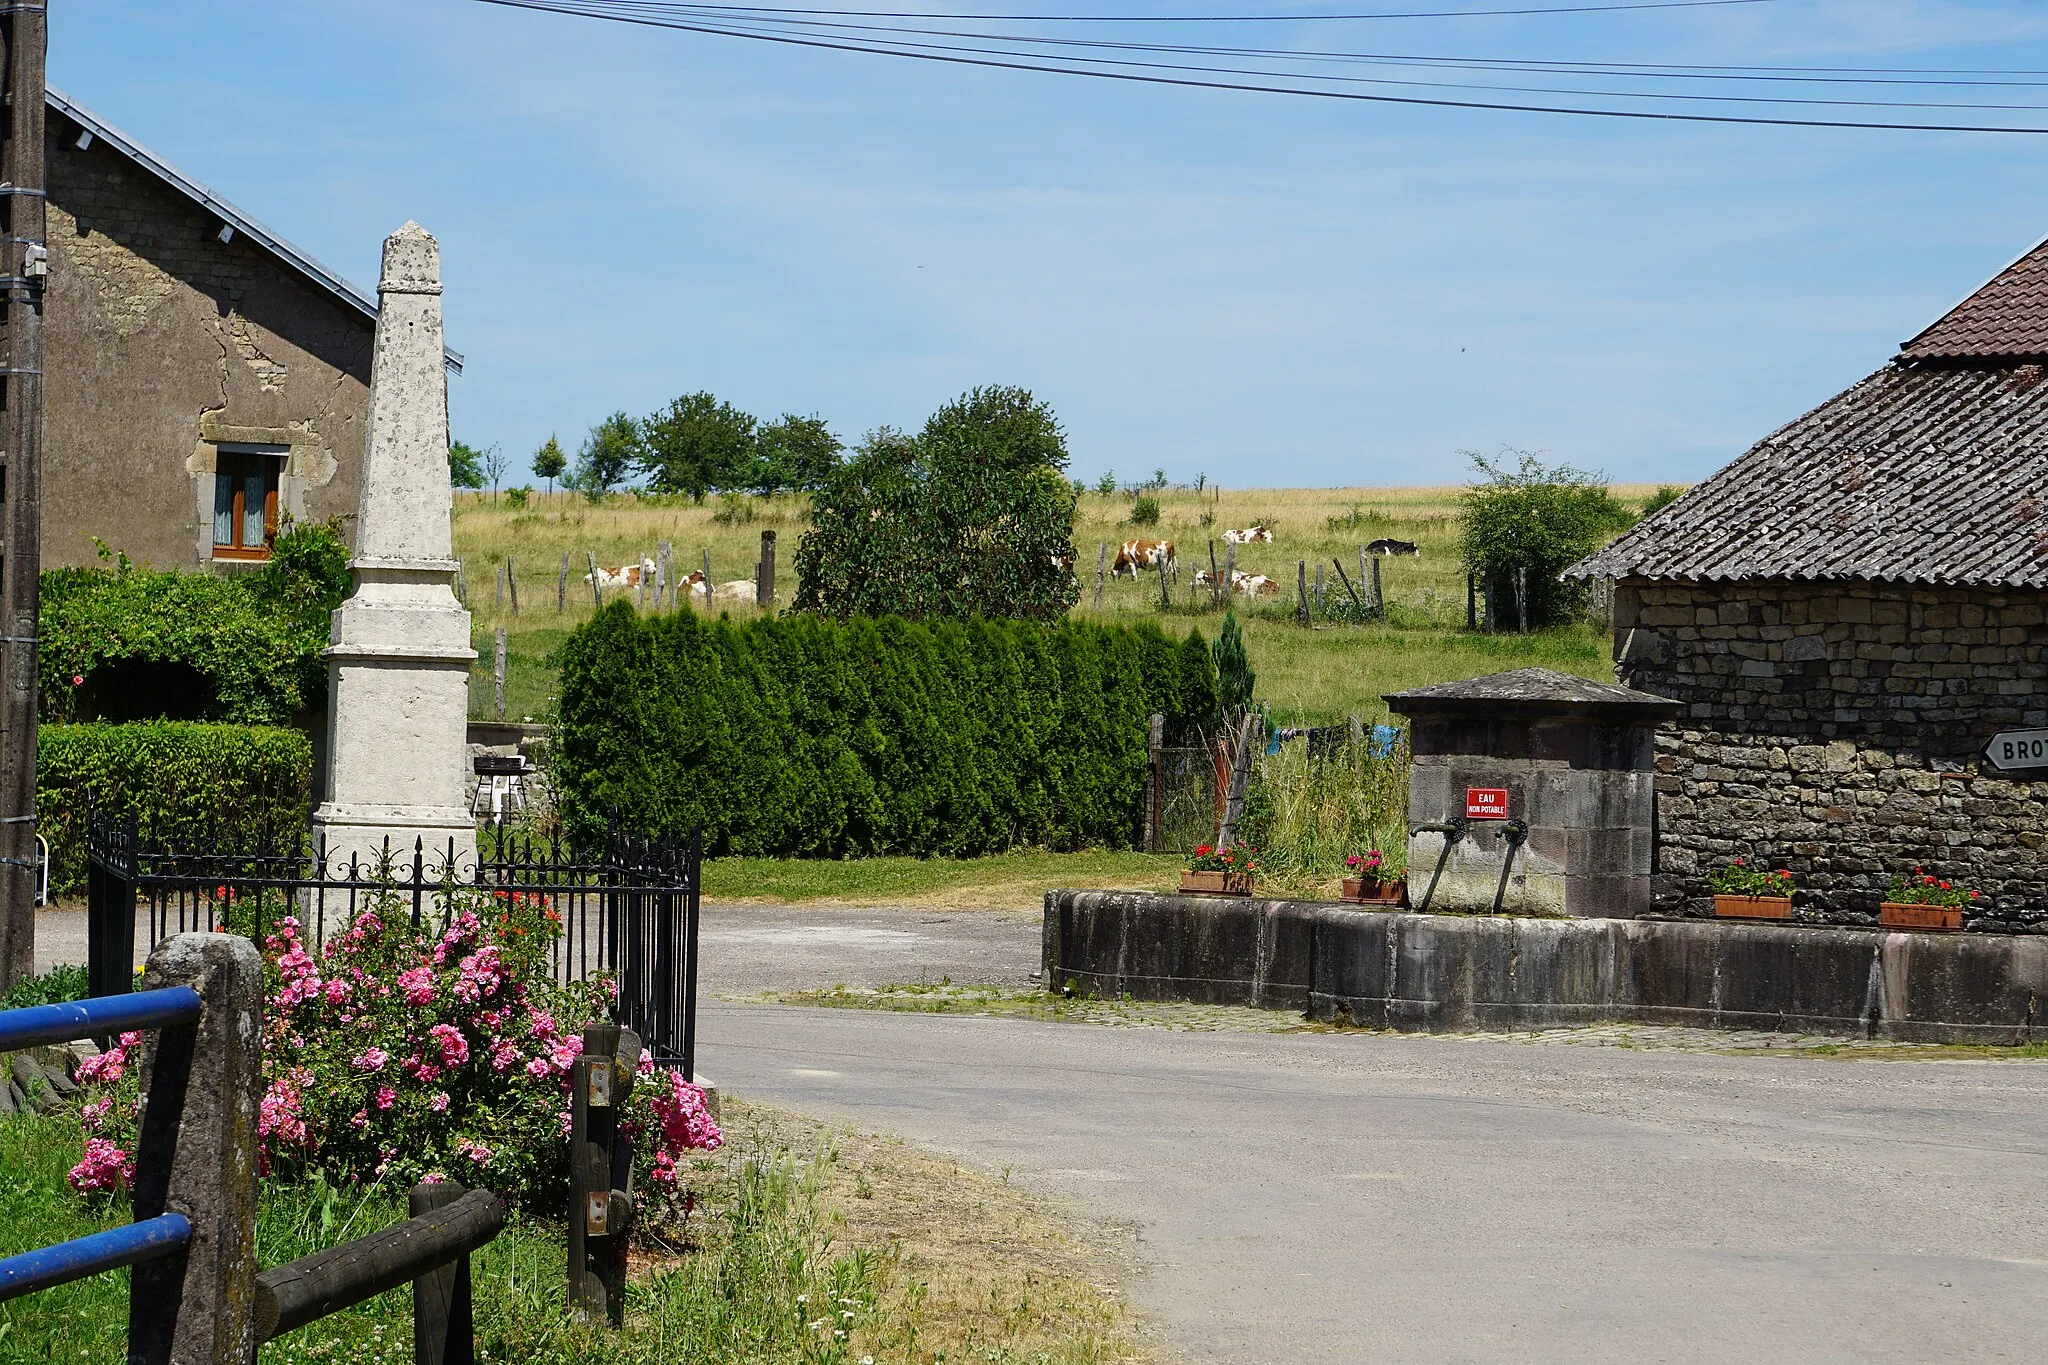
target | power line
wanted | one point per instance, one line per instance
(1237, 18)
(1001, 59)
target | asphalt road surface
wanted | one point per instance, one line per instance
(1317, 1197)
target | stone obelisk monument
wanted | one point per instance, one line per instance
(398, 670)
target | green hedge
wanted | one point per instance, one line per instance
(801, 736)
(185, 782)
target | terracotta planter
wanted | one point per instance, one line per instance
(1216, 883)
(1753, 907)
(1946, 919)
(1374, 891)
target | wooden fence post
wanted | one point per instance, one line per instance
(1319, 587)
(1301, 591)
(562, 585)
(1165, 597)
(665, 561)
(709, 594)
(1230, 572)
(1345, 578)
(1521, 599)
(1215, 586)
(512, 583)
(443, 1321)
(1471, 600)
(1101, 565)
(1155, 744)
(600, 1207)
(764, 581)
(596, 594)
(198, 1145)
(498, 677)
(1379, 596)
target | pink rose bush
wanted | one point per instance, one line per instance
(397, 1055)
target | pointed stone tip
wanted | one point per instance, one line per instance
(412, 262)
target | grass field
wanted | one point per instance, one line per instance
(1319, 674)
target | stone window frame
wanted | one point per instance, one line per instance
(304, 458)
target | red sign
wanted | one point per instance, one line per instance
(1486, 803)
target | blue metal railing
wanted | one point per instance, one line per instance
(46, 1267)
(147, 1240)
(39, 1025)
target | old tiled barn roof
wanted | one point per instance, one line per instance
(1932, 470)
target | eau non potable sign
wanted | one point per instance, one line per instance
(1486, 803)
(2010, 749)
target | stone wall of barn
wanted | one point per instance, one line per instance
(1836, 730)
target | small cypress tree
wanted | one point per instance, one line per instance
(1234, 676)
(1200, 711)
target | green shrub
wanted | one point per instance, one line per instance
(183, 782)
(197, 646)
(1527, 525)
(1145, 511)
(802, 736)
(66, 981)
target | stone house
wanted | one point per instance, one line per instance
(1848, 613)
(203, 378)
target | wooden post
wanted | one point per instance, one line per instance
(1155, 744)
(665, 558)
(709, 594)
(764, 581)
(1521, 599)
(1215, 585)
(1489, 613)
(562, 585)
(596, 594)
(498, 677)
(512, 583)
(1471, 600)
(1345, 578)
(1230, 572)
(640, 585)
(443, 1323)
(197, 1153)
(24, 264)
(600, 1081)
(1101, 566)
(1379, 596)
(1301, 591)
(1240, 777)
(1165, 597)
(1319, 587)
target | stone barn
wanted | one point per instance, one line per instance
(203, 376)
(1848, 613)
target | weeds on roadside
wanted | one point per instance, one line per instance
(1306, 813)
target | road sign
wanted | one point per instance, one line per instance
(2010, 749)
(1486, 803)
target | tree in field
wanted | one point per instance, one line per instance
(549, 462)
(1526, 524)
(973, 516)
(465, 465)
(697, 444)
(609, 454)
(494, 466)
(1234, 676)
(797, 453)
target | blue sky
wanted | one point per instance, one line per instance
(1266, 290)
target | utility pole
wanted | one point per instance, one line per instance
(24, 266)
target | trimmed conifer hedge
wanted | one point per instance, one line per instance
(186, 783)
(800, 736)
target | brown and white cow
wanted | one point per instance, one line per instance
(1256, 585)
(1134, 555)
(627, 576)
(1247, 535)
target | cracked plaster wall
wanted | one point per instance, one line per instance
(163, 342)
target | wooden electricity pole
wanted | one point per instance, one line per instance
(24, 266)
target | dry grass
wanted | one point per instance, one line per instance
(973, 1268)
(1321, 674)
(1005, 881)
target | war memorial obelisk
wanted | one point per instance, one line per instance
(398, 670)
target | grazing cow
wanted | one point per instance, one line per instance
(1393, 547)
(1247, 535)
(1134, 555)
(629, 576)
(1256, 585)
(1064, 563)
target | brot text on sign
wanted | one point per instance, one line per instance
(1486, 803)
(2011, 749)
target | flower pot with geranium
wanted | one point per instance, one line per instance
(1373, 878)
(1922, 901)
(1742, 891)
(1221, 872)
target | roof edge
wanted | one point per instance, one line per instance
(242, 223)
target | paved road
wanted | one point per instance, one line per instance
(1319, 1197)
(747, 949)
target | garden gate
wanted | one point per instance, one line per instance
(627, 906)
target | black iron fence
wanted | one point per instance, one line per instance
(626, 907)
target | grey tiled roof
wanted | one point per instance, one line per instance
(1926, 472)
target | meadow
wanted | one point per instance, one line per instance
(1307, 675)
